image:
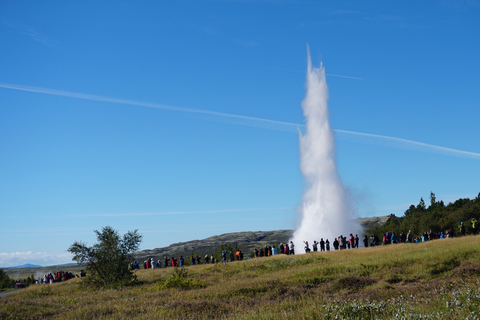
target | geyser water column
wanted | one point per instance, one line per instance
(325, 210)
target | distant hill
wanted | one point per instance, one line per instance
(246, 241)
(28, 265)
(373, 222)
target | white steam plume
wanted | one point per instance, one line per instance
(325, 209)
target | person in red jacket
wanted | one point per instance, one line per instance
(352, 240)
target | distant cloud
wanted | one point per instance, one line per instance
(376, 139)
(175, 212)
(13, 259)
(30, 32)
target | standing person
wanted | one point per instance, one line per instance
(474, 226)
(322, 244)
(341, 241)
(166, 261)
(327, 244)
(224, 256)
(365, 241)
(315, 245)
(282, 249)
(462, 229)
(335, 244)
(307, 247)
(352, 241)
(357, 239)
(287, 250)
(292, 248)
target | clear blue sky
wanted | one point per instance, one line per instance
(179, 118)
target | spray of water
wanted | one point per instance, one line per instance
(325, 211)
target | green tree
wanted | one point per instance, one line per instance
(5, 281)
(108, 262)
(433, 200)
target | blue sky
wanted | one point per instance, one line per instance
(180, 119)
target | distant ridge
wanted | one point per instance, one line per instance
(27, 265)
(35, 266)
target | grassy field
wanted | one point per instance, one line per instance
(434, 280)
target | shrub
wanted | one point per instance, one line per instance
(108, 262)
(179, 279)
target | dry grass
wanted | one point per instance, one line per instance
(437, 280)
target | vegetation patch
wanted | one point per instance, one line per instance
(179, 279)
(352, 283)
(282, 264)
(443, 266)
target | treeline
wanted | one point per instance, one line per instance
(5, 281)
(437, 217)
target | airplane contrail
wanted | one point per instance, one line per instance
(251, 121)
(175, 212)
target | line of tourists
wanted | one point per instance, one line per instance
(340, 243)
(196, 259)
(60, 276)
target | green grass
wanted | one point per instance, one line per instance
(434, 280)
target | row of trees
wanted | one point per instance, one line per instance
(437, 217)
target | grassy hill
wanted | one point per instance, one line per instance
(246, 241)
(433, 280)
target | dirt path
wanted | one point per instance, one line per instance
(7, 293)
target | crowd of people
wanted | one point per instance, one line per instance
(339, 243)
(196, 259)
(58, 276)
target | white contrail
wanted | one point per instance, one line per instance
(340, 76)
(401, 143)
(174, 212)
(91, 97)
(253, 121)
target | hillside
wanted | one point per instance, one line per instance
(246, 241)
(434, 280)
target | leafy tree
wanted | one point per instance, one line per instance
(5, 281)
(108, 262)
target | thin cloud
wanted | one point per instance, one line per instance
(174, 212)
(400, 143)
(30, 32)
(256, 122)
(340, 76)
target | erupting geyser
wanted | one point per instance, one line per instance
(325, 210)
